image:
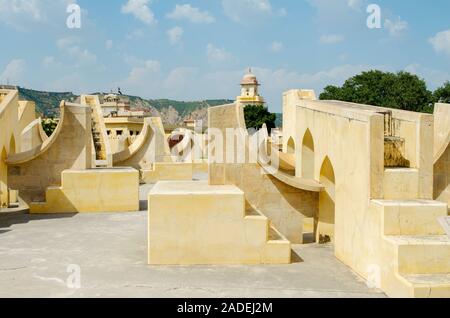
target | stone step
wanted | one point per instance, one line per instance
(101, 163)
(428, 285)
(411, 217)
(275, 235)
(427, 254)
(215, 225)
(401, 184)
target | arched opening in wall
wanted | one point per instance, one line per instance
(308, 156)
(175, 140)
(324, 222)
(3, 179)
(291, 146)
(12, 145)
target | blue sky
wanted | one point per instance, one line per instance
(199, 49)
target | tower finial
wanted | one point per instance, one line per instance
(250, 70)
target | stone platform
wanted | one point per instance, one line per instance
(93, 190)
(193, 223)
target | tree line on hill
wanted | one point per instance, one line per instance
(401, 90)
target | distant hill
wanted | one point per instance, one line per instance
(172, 112)
(47, 103)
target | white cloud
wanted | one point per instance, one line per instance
(71, 46)
(179, 79)
(188, 12)
(218, 55)
(343, 4)
(396, 27)
(281, 12)
(140, 73)
(434, 78)
(175, 34)
(135, 34)
(441, 42)
(276, 47)
(49, 61)
(13, 72)
(338, 16)
(248, 11)
(30, 9)
(143, 79)
(331, 39)
(21, 14)
(355, 4)
(189, 83)
(140, 9)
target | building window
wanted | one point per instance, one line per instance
(108, 132)
(119, 132)
(131, 133)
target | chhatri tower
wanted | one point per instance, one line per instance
(250, 91)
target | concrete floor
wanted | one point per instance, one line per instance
(111, 251)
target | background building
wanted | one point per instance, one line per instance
(250, 91)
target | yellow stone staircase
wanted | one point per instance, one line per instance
(100, 147)
(414, 252)
(193, 223)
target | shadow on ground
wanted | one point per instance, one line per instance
(295, 258)
(143, 205)
(8, 219)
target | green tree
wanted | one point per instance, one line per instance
(400, 90)
(49, 125)
(257, 116)
(442, 94)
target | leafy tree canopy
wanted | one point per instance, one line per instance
(400, 90)
(257, 116)
(442, 94)
(49, 125)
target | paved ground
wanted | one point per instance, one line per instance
(110, 250)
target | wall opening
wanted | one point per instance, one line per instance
(308, 156)
(291, 146)
(3, 180)
(324, 222)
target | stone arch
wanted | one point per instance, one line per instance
(174, 140)
(325, 220)
(291, 146)
(3, 179)
(308, 156)
(12, 146)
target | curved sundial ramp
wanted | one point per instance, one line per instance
(27, 156)
(149, 147)
(69, 147)
(33, 135)
(286, 203)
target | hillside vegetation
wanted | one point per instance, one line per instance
(171, 111)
